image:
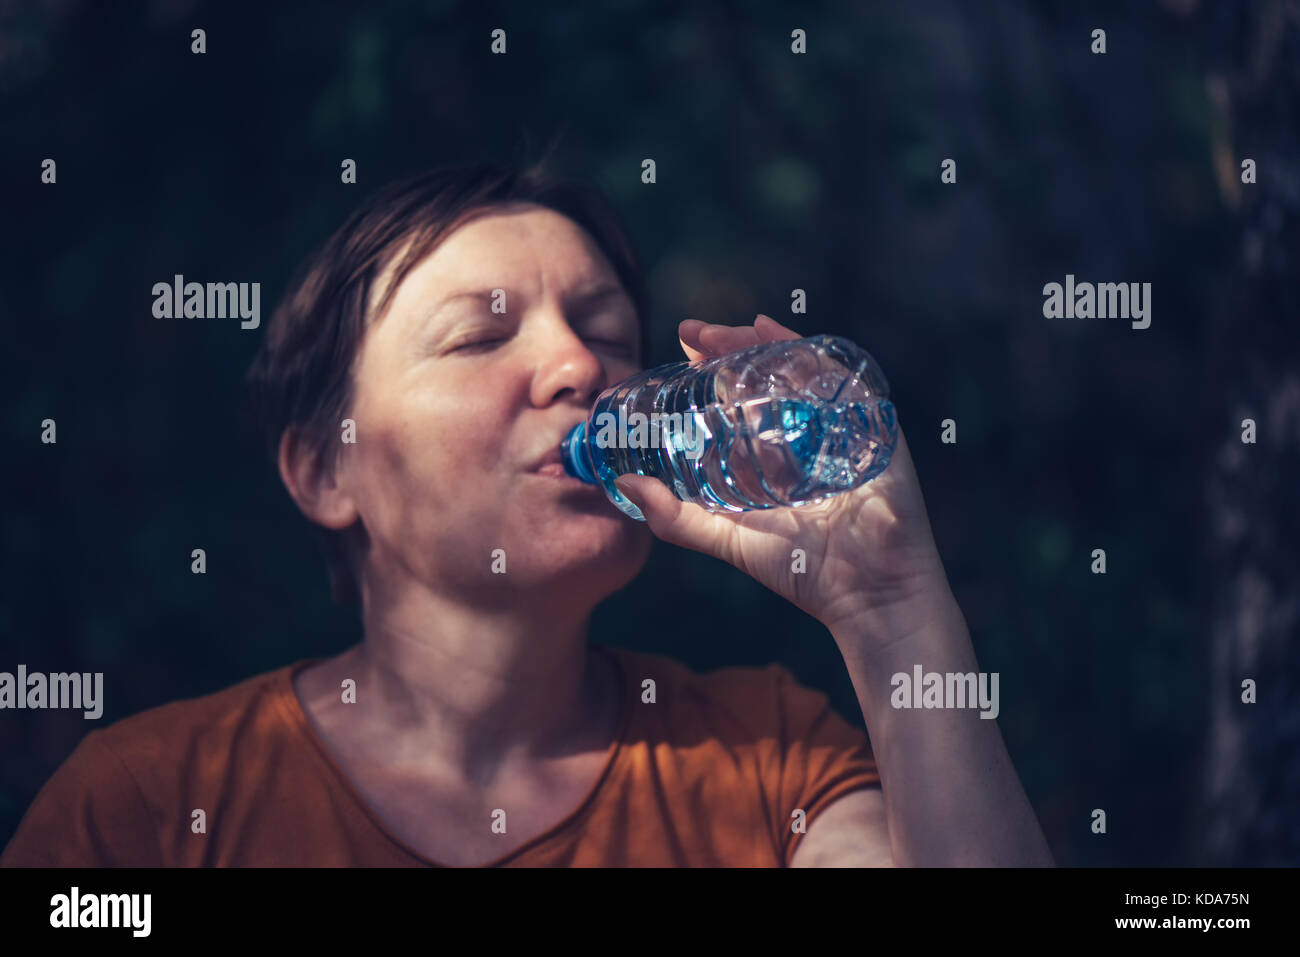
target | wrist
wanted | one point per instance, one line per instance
(888, 608)
(927, 623)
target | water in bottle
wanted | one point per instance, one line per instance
(781, 423)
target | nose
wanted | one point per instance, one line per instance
(567, 369)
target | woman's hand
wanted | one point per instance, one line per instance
(865, 552)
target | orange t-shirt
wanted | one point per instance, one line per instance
(706, 775)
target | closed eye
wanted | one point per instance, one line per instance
(616, 346)
(477, 345)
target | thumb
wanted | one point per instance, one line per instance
(677, 522)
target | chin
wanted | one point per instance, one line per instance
(597, 543)
(604, 535)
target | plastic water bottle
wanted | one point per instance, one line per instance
(781, 423)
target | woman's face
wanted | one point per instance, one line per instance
(460, 410)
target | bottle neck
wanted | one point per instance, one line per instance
(576, 456)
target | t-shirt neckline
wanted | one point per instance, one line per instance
(298, 715)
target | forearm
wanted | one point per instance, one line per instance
(952, 796)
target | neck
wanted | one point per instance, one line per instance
(480, 688)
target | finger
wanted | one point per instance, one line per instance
(702, 340)
(688, 334)
(769, 330)
(724, 339)
(677, 522)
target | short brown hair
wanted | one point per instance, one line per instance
(301, 377)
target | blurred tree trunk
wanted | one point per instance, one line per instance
(1250, 808)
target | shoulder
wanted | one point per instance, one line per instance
(251, 709)
(183, 753)
(766, 700)
(756, 727)
(122, 784)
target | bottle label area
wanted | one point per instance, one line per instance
(680, 432)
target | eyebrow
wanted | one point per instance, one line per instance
(484, 294)
(604, 290)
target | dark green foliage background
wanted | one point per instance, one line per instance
(775, 171)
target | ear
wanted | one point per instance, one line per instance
(313, 484)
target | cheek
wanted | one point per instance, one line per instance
(426, 458)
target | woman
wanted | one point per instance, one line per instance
(415, 384)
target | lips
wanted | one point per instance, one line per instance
(550, 458)
(551, 467)
(552, 463)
